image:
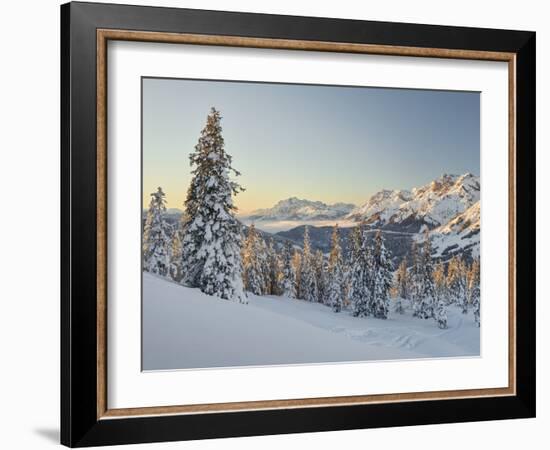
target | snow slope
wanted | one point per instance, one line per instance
(184, 328)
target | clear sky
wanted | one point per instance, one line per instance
(328, 143)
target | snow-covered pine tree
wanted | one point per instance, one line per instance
(355, 274)
(308, 284)
(463, 289)
(263, 257)
(401, 286)
(381, 277)
(456, 283)
(356, 240)
(253, 271)
(440, 283)
(274, 270)
(415, 279)
(191, 238)
(297, 265)
(440, 292)
(320, 276)
(335, 287)
(427, 282)
(175, 256)
(473, 289)
(361, 285)
(452, 280)
(354, 249)
(288, 276)
(346, 282)
(156, 236)
(211, 251)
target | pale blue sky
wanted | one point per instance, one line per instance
(328, 143)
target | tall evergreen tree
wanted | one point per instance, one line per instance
(427, 282)
(156, 236)
(308, 285)
(297, 265)
(440, 283)
(263, 256)
(354, 250)
(211, 250)
(356, 242)
(381, 278)
(453, 280)
(474, 290)
(416, 279)
(440, 299)
(456, 283)
(288, 277)
(335, 284)
(361, 285)
(274, 270)
(402, 287)
(320, 276)
(253, 270)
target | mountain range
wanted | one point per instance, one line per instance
(431, 205)
(449, 207)
(296, 209)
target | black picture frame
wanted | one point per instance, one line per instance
(80, 425)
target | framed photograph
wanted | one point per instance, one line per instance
(277, 224)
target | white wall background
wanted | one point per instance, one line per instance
(29, 223)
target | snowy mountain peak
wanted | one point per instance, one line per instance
(294, 208)
(431, 205)
(447, 183)
(379, 205)
(295, 202)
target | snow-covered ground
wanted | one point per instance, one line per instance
(184, 328)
